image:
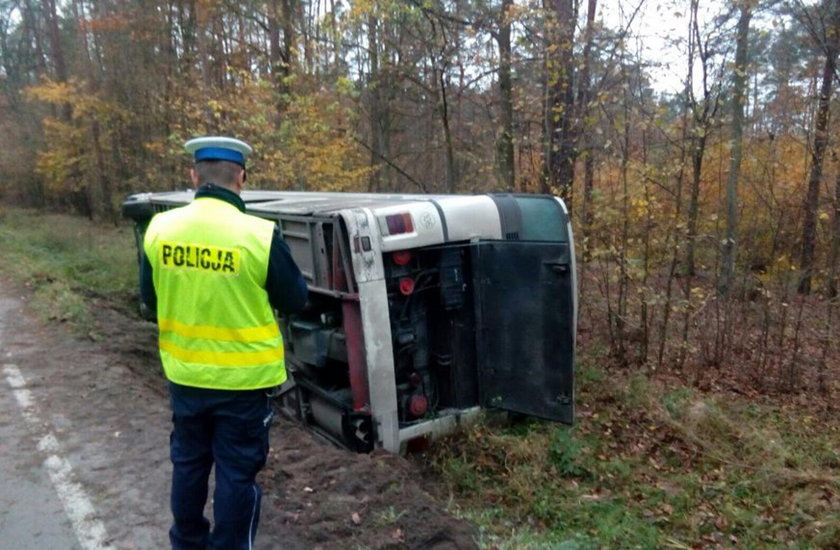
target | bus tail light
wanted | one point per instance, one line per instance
(399, 223)
(407, 286)
(401, 257)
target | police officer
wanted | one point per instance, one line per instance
(215, 275)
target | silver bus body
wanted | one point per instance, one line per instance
(422, 309)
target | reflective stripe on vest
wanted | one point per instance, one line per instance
(217, 328)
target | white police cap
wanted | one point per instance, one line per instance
(218, 148)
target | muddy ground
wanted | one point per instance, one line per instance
(105, 399)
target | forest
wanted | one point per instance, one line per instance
(693, 142)
(700, 167)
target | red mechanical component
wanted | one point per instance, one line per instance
(418, 405)
(355, 352)
(415, 379)
(406, 286)
(401, 257)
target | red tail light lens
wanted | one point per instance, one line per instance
(401, 257)
(406, 286)
(418, 405)
(399, 223)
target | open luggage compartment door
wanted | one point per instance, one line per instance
(525, 323)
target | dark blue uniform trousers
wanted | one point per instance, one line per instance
(228, 429)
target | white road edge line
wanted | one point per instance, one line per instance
(89, 531)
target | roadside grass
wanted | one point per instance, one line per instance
(68, 261)
(647, 465)
(650, 466)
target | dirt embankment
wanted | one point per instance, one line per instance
(110, 391)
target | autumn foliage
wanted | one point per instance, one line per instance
(523, 96)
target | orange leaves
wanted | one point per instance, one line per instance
(75, 148)
(83, 103)
(50, 91)
(321, 151)
(301, 139)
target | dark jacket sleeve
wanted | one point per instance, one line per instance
(285, 284)
(147, 286)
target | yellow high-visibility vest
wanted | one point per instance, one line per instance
(217, 329)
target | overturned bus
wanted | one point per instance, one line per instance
(422, 309)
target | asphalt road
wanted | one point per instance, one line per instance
(83, 451)
(31, 514)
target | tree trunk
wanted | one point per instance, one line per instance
(504, 141)
(704, 113)
(56, 51)
(812, 197)
(102, 201)
(375, 110)
(290, 8)
(673, 238)
(443, 111)
(559, 163)
(280, 17)
(439, 65)
(203, 50)
(188, 26)
(623, 259)
(99, 188)
(30, 24)
(738, 98)
(834, 255)
(697, 153)
(584, 98)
